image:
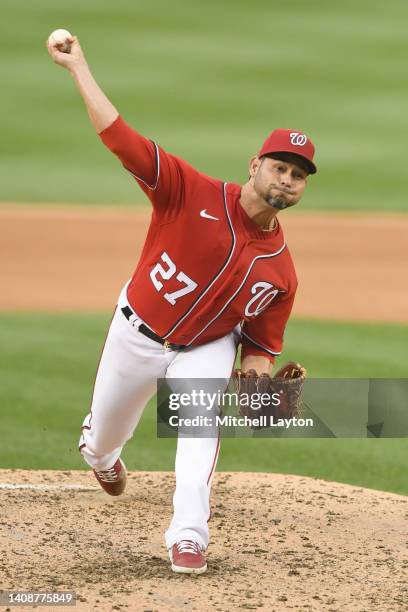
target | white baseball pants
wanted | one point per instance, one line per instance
(126, 379)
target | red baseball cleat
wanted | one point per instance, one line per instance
(186, 558)
(113, 481)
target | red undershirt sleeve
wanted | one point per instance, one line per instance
(160, 174)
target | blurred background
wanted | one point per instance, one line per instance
(208, 81)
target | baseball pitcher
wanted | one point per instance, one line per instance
(215, 272)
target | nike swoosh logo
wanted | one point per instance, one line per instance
(204, 214)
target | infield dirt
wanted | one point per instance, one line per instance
(350, 266)
(278, 543)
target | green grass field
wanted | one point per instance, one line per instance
(209, 81)
(47, 367)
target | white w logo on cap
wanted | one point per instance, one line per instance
(298, 139)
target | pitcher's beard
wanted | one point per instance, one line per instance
(277, 202)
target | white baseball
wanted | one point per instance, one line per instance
(59, 38)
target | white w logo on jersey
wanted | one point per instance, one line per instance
(264, 294)
(298, 139)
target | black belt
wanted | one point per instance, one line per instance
(146, 331)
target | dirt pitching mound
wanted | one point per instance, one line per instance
(278, 543)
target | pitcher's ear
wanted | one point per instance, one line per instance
(253, 165)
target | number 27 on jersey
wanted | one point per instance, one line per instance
(160, 273)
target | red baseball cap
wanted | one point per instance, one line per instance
(290, 141)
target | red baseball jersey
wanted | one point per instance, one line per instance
(205, 266)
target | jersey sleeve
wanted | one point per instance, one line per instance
(263, 335)
(161, 175)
